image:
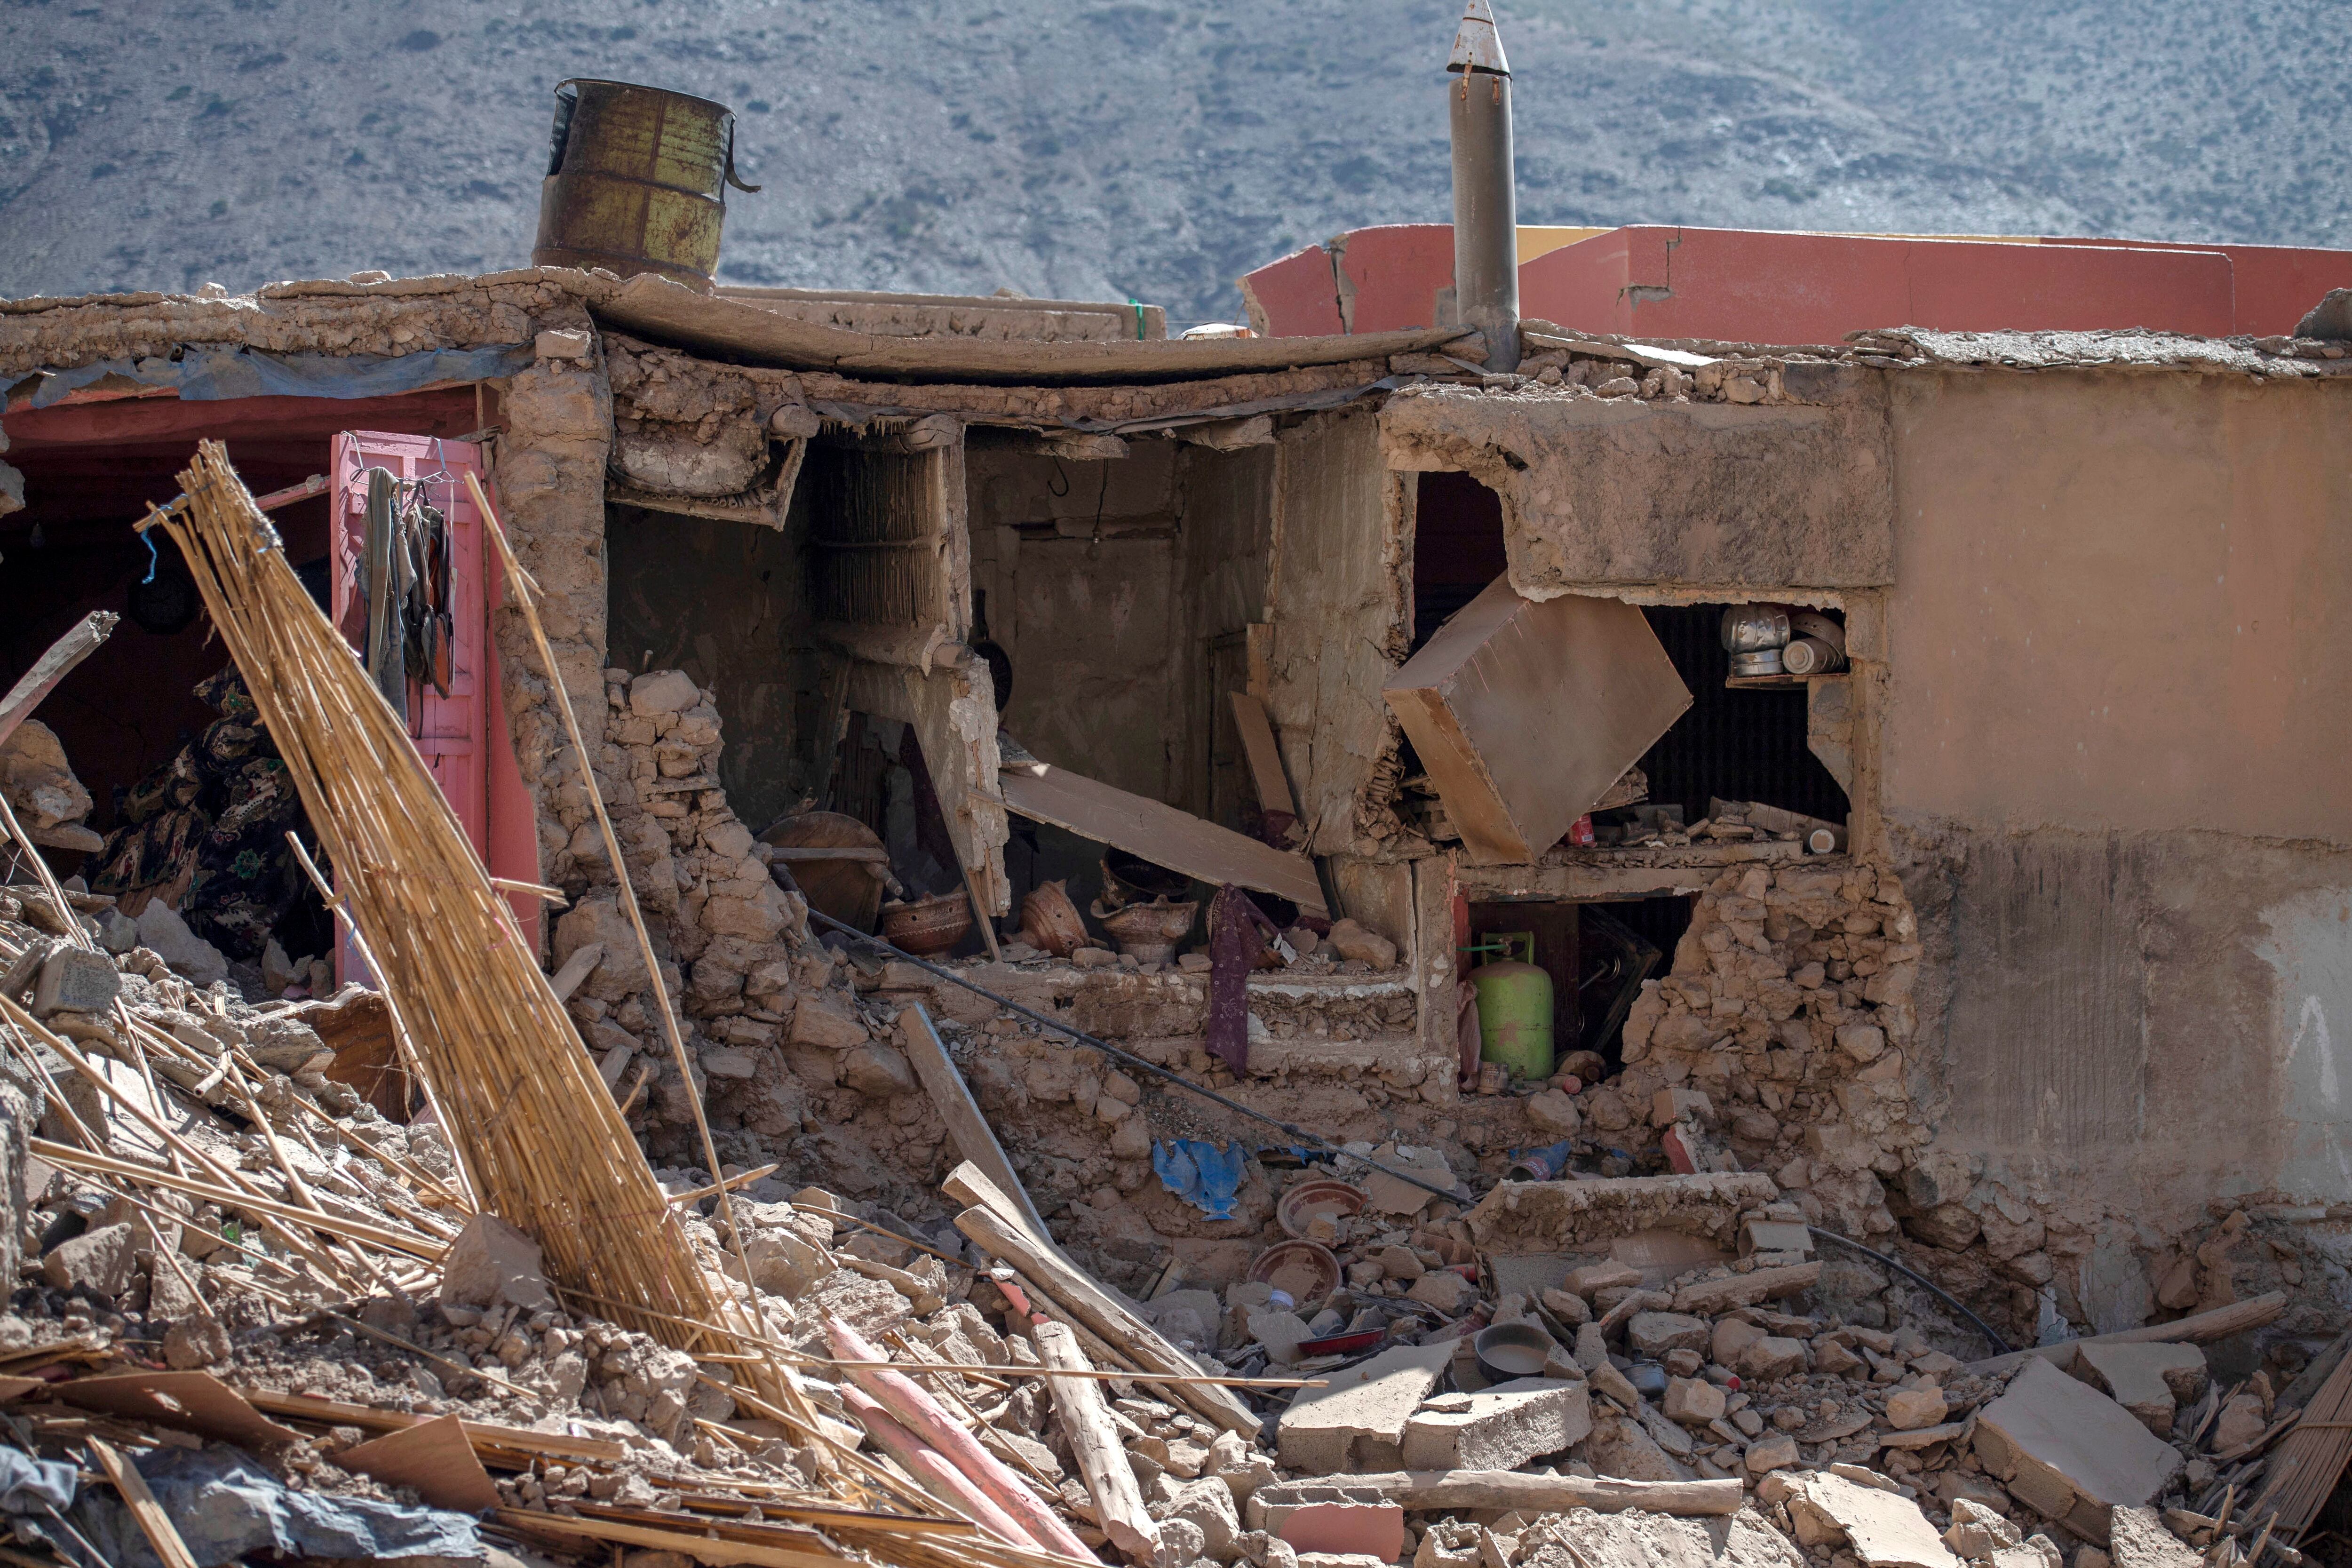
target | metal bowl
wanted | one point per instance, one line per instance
(1512, 1349)
(1764, 661)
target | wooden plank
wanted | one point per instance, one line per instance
(1526, 712)
(1161, 834)
(952, 1098)
(663, 312)
(2217, 1325)
(192, 1401)
(1085, 1420)
(1264, 757)
(435, 1458)
(153, 1522)
(996, 1227)
(52, 667)
(687, 1539)
(482, 1434)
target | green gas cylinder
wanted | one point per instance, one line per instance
(1514, 1005)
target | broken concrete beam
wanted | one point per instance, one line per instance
(1498, 1428)
(2068, 1451)
(1710, 1298)
(2149, 1381)
(1586, 1217)
(1469, 700)
(1884, 1529)
(1271, 1505)
(1357, 1422)
(1462, 1491)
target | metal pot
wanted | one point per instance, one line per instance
(1811, 656)
(1751, 628)
(1765, 661)
(1512, 1349)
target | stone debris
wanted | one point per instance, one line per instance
(2070, 1452)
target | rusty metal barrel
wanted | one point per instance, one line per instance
(637, 180)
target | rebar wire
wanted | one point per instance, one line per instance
(1999, 1345)
(1130, 1058)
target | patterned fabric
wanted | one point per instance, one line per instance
(1238, 932)
(207, 831)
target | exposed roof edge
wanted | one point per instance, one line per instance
(661, 311)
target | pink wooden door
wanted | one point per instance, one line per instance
(463, 736)
(449, 731)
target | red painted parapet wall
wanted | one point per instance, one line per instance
(1757, 286)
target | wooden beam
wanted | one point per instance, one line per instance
(1161, 834)
(952, 1098)
(53, 667)
(2217, 1325)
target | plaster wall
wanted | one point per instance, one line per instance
(2113, 730)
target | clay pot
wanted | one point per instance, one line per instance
(1303, 1202)
(1305, 1272)
(927, 926)
(1132, 880)
(1148, 932)
(1050, 922)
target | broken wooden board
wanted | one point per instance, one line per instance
(951, 1098)
(434, 1459)
(52, 667)
(666, 312)
(1264, 757)
(191, 1401)
(1526, 712)
(1161, 834)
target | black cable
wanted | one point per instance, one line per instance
(1999, 1345)
(1128, 1058)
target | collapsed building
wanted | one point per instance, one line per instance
(1023, 635)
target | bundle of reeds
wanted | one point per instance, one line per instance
(540, 1139)
(2310, 1459)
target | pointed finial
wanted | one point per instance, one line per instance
(1477, 47)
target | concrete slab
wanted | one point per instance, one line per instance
(1501, 1427)
(2149, 1381)
(1358, 1422)
(2137, 1539)
(2062, 1447)
(1885, 1528)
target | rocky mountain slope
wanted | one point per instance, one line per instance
(1127, 147)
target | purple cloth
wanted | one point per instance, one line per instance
(1238, 932)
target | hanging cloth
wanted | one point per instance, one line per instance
(383, 562)
(1238, 932)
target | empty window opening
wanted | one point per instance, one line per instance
(1457, 547)
(1746, 744)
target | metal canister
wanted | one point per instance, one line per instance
(1810, 656)
(1751, 628)
(1515, 1007)
(637, 182)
